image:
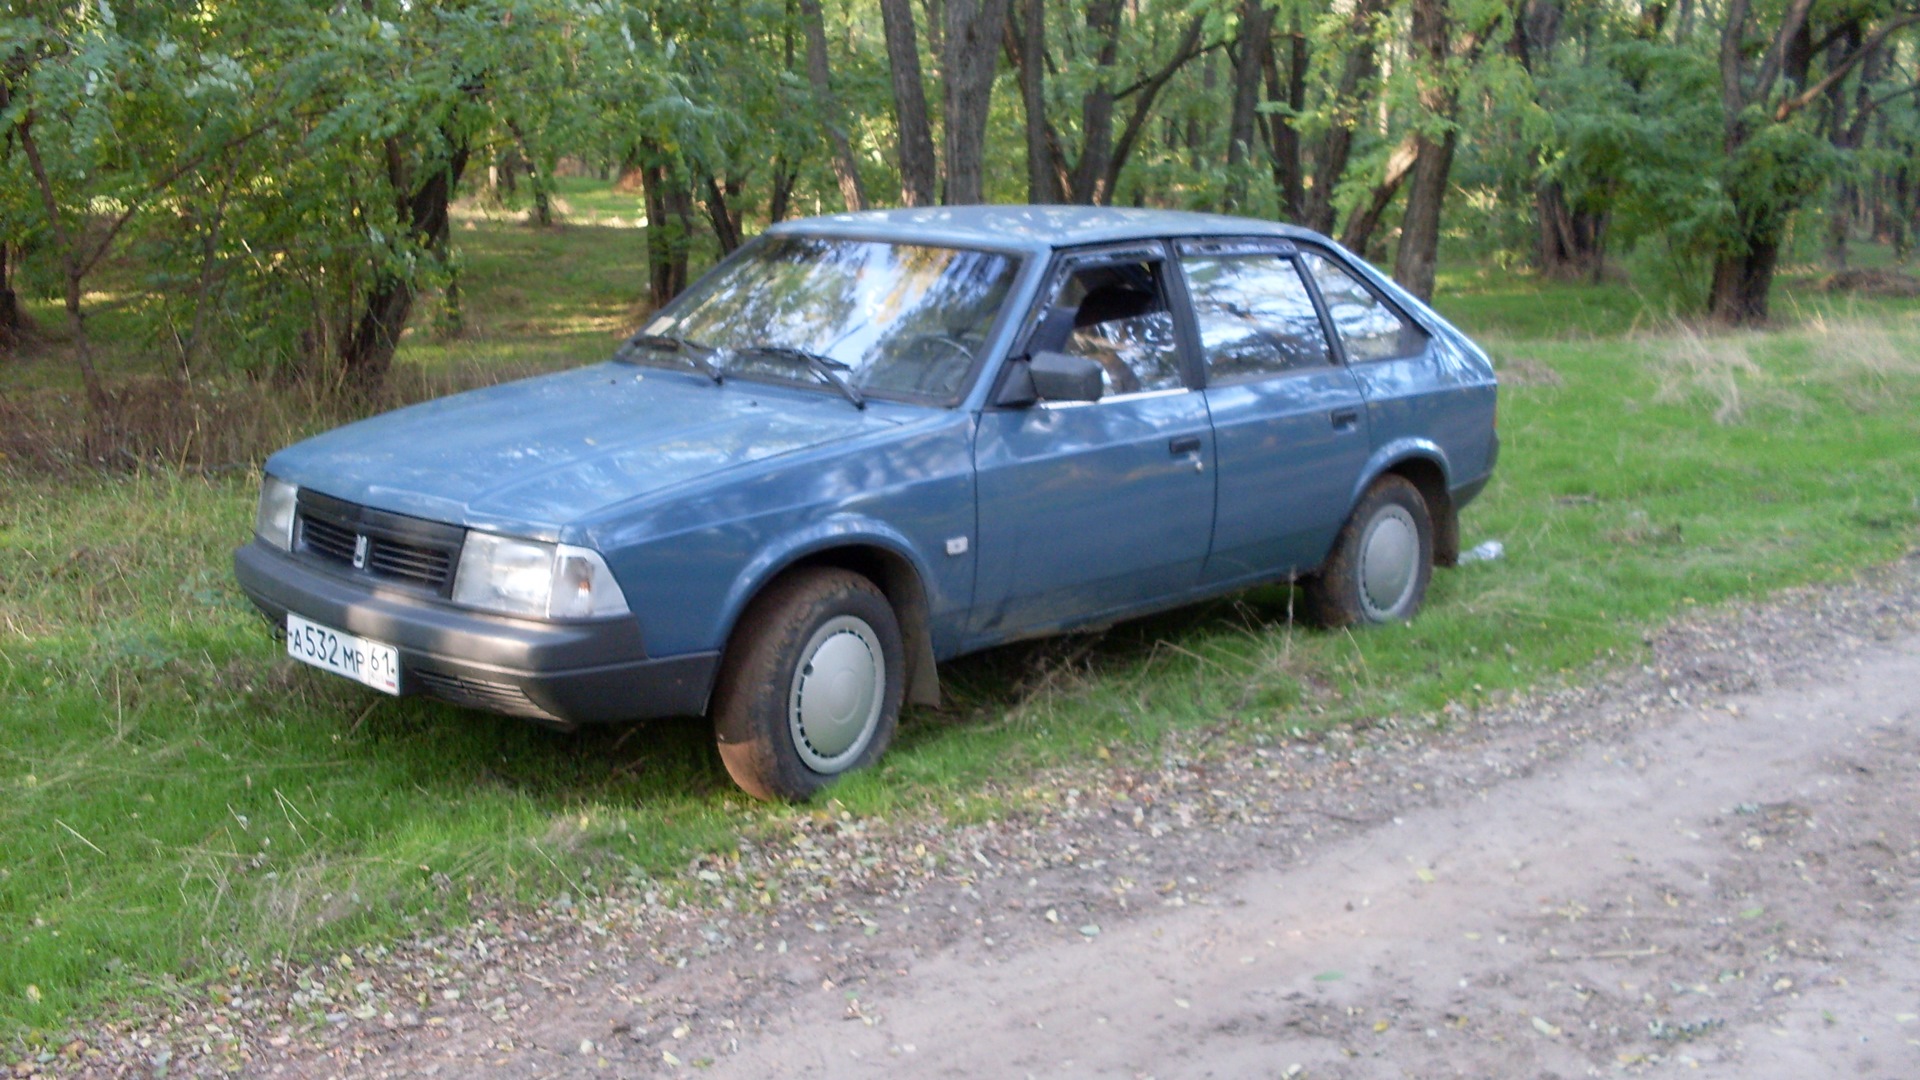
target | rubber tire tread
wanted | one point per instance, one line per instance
(749, 710)
(1333, 593)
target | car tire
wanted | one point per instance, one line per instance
(1381, 563)
(811, 684)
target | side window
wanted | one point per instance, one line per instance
(1120, 318)
(1256, 317)
(1368, 328)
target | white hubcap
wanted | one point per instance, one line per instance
(1389, 563)
(838, 694)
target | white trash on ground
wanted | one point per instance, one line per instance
(1487, 552)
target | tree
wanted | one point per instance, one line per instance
(846, 168)
(1438, 62)
(1772, 163)
(919, 171)
(1093, 61)
(972, 45)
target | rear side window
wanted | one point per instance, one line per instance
(1255, 315)
(1368, 328)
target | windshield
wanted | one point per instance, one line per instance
(891, 319)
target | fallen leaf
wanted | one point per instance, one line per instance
(1424, 874)
(1090, 930)
(1545, 1028)
(1381, 1025)
(1329, 976)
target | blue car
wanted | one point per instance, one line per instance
(868, 443)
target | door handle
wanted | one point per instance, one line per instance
(1345, 419)
(1186, 444)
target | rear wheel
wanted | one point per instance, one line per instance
(1381, 562)
(811, 685)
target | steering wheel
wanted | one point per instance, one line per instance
(940, 373)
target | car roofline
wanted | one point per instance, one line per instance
(1033, 230)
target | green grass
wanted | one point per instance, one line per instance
(178, 796)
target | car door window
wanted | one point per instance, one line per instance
(1121, 319)
(1369, 329)
(1255, 316)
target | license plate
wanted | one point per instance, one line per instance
(342, 653)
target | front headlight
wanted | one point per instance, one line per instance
(273, 519)
(529, 578)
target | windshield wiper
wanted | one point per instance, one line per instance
(700, 356)
(828, 369)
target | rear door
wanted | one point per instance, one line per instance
(1095, 508)
(1388, 353)
(1289, 421)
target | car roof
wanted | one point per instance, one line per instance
(1032, 229)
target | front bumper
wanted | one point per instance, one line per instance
(560, 672)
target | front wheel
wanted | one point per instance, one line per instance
(1381, 562)
(811, 684)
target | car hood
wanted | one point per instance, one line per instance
(529, 457)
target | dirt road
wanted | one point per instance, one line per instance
(1734, 889)
(1706, 865)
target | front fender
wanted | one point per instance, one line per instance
(828, 534)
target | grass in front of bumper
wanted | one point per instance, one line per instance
(181, 799)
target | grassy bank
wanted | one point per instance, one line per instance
(179, 798)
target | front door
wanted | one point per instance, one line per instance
(1089, 509)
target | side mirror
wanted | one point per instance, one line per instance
(1058, 376)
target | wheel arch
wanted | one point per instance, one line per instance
(881, 560)
(1423, 465)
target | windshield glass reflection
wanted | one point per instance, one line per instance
(905, 319)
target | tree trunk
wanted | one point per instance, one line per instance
(1336, 145)
(1742, 283)
(1571, 242)
(1096, 106)
(1413, 264)
(367, 354)
(846, 168)
(73, 269)
(668, 211)
(1144, 94)
(10, 327)
(1283, 141)
(918, 169)
(10, 319)
(1249, 63)
(721, 214)
(973, 44)
(779, 204)
(1358, 234)
(1029, 55)
(537, 177)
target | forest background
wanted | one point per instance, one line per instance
(266, 186)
